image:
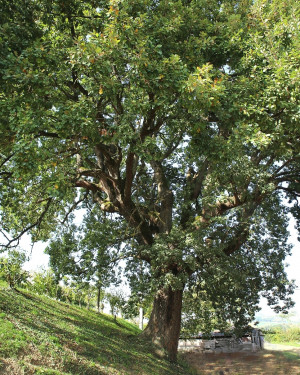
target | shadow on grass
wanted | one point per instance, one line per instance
(82, 341)
(244, 363)
(289, 355)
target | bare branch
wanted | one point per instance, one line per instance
(90, 172)
(288, 178)
(284, 165)
(7, 159)
(4, 234)
(74, 206)
(172, 147)
(35, 224)
(290, 191)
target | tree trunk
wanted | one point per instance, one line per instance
(141, 320)
(164, 324)
(98, 298)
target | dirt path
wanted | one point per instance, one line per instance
(274, 361)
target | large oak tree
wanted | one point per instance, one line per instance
(180, 117)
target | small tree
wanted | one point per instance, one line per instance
(11, 268)
(141, 298)
(44, 282)
(116, 300)
(91, 291)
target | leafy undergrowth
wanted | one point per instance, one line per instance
(39, 335)
(287, 335)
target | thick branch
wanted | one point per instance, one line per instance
(131, 165)
(150, 128)
(289, 161)
(105, 205)
(87, 185)
(290, 191)
(199, 179)
(165, 197)
(242, 232)
(43, 133)
(106, 161)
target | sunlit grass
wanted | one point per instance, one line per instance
(39, 335)
(287, 335)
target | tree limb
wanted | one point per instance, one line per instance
(74, 206)
(131, 165)
(165, 197)
(35, 224)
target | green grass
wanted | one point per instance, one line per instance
(286, 335)
(39, 335)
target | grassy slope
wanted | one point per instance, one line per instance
(41, 336)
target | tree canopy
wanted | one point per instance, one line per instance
(179, 118)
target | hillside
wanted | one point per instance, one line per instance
(39, 335)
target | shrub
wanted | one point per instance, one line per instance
(11, 268)
(283, 334)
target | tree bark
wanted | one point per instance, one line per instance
(98, 297)
(165, 320)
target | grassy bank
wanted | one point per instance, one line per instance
(39, 335)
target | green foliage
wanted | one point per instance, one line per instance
(44, 282)
(81, 293)
(89, 251)
(14, 339)
(41, 335)
(283, 334)
(86, 258)
(178, 120)
(11, 268)
(116, 300)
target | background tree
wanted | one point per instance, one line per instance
(178, 117)
(45, 282)
(117, 301)
(140, 300)
(90, 253)
(11, 269)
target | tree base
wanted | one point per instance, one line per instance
(163, 328)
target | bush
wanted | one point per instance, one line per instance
(11, 268)
(44, 282)
(282, 334)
